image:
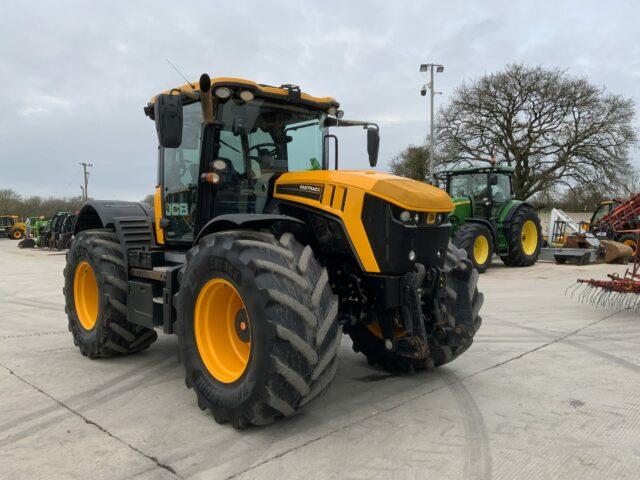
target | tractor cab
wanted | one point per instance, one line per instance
(482, 190)
(604, 209)
(251, 134)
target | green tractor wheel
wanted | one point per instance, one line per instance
(477, 241)
(524, 237)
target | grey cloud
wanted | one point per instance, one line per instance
(75, 75)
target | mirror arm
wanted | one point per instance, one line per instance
(335, 146)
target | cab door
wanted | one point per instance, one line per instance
(179, 172)
(501, 192)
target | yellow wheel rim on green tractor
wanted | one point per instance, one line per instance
(481, 250)
(85, 295)
(529, 237)
(222, 330)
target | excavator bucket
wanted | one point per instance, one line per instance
(616, 252)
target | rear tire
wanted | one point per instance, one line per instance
(293, 326)
(16, 234)
(476, 239)
(521, 254)
(112, 334)
(463, 303)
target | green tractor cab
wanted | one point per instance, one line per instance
(487, 219)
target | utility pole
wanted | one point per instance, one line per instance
(431, 68)
(85, 191)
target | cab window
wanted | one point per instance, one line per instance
(501, 191)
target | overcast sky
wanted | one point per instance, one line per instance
(74, 76)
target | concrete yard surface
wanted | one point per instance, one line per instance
(550, 389)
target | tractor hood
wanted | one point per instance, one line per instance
(403, 192)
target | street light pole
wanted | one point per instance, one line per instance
(431, 145)
(85, 190)
(431, 68)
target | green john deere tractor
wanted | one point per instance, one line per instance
(487, 219)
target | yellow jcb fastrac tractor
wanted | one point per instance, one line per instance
(258, 255)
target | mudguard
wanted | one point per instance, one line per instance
(101, 213)
(506, 220)
(242, 220)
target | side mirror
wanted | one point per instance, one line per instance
(494, 180)
(373, 145)
(168, 117)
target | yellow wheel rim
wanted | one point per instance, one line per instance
(377, 331)
(529, 237)
(481, 249)
(222, 330)
(85, 295)
(17, 234)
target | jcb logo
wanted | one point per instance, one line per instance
(177, 210)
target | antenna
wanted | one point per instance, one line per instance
(180, 73)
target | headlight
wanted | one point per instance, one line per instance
(219, 164)
(223, 92)
(418, 218)
(246, 95)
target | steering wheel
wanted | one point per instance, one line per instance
(271, 152)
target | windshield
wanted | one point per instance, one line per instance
(261, 137)
(604, 209)
(468, 185)
(258, 140)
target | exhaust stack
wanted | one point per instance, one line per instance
(206, 100)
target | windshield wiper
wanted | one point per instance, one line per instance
(230, 146)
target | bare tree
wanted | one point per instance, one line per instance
(9, 199)
(12, 203)
(149, 199)
(411, 163)
(556, 131)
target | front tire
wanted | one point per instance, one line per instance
(16, 234)
(476, 239)
(96, 292)
(462, 305)
(281, 294)
(525, 239)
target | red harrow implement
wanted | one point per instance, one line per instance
(617, 292)
(625, 216)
